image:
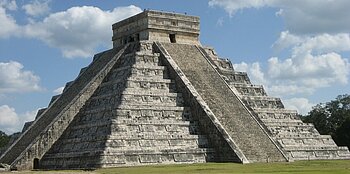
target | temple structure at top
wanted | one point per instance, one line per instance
(157, 26)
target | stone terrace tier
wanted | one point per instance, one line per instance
(135, 117)
(299, 141)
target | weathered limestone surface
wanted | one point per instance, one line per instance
(158, 97)
(48, 127)
(299, 141)
(157, 26)
(135, 117)
(229, 111)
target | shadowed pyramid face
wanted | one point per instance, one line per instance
(159, 97)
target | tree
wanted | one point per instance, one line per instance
(4, 139)
(332, 118)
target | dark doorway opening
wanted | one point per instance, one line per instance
(36, 163)
(172, 38)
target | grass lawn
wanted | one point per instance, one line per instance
(299, 167)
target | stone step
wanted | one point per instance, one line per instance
(274, 111)
(54, 98)
(289, 124)
(310, 148)
(67, 85)
(161, 85)
(40, 111)
(133, 122)
(136, 136)
(237, 78)
(138, 82)
(306, 137)
(26, 126)
(171, 99)
(141, 151)
(149, 84)
(82, 70)
(263, 102)
(148, 111)
(142, 58)
(317, 155)
(143, 70)
(127, 159)
(291, 132)
(148, 70)
(149, 79)
(130, 144)
(319, 141)
(138, 101)
(143, 93)
(302, 136)
(280, 121)
(250, 90)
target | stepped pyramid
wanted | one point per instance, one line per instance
(159, 97)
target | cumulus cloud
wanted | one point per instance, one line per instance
(58, 90)
(231, 6)
(14, 79)
(314, 63)
(302, 17)
(37, 8)
(78, 30)
(7, 22)
(11, 122)
(8, 4)
(8, 116)
(299, 75)
(302, 105)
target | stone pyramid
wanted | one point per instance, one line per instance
(159, 97)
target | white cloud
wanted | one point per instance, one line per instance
(231, 6)
(303, 17)
(58, 90)
(37, 7)
(323, 43)
(8, 116)
(14, 79)
(301, 75)
(79, 30)
(302, 105)
(314, 63)
(11, 122)
(8, 4)
(286, 40)
(8, 26)
(220, 22)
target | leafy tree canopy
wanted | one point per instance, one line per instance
(4, 139)
(332, 118)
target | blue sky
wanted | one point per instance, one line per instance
(298, 49)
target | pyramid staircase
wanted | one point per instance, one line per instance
(135, 117)
(159, 97)
(298, 140)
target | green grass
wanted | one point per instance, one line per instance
(299, 167)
